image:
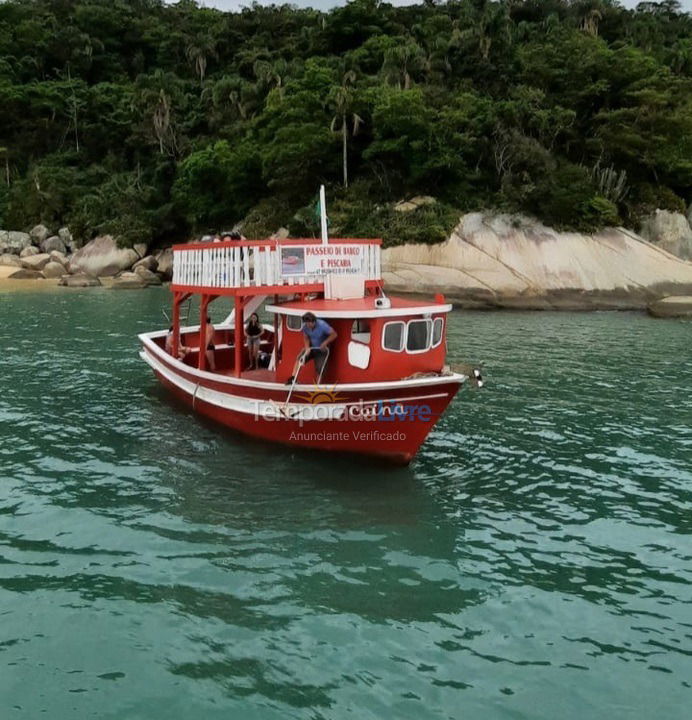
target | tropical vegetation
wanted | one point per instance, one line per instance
(153, 121)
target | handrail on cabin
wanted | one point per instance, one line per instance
(269, 243)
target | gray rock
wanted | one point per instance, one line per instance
(404, 207)
(4, 237)
(414, 203)
(17, 241)
(53, 270)
(670, 231)
(423, 200)
(103, 258)
(140, 249)
(147, 276)
(149, 262)
(10, 259)
(39, 234)
(672, 307)
(53, 243)
(164, 258)
(128, 281)
(26, 274)
(36, 262)
(58, 257)
(66, 236)
(79, 280)
(29, 251)
(281, 234)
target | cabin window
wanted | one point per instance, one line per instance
(418, 335)
(294, 322)
(438, 324)
(393, 336)
(360, 332)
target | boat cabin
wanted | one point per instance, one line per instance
(379, 339)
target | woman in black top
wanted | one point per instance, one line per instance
(253, 332)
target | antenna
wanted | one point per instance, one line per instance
(323, 215)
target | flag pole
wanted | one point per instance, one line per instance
(323, 215)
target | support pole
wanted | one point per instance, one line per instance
(239, 321)
(323, 215)
(203, 305)
(178, 299)
(176, 323)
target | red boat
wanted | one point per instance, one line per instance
(385, 383)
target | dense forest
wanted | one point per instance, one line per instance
(153, 121)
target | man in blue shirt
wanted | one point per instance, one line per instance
(317, 335)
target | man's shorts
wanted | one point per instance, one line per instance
(319, 356)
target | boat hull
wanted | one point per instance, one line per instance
(387, 420)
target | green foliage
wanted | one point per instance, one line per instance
(356, 215)
(151, 120)
(215, 186)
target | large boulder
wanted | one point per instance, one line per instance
(36, 262)
(147, 276)
(164, 259)
(149, 262)
(29, 251)
(53, 270)
(4, 237)
(10, 259)
(514, 262)
(140, 249)
(102, 258)
(26, 274)
(128, 281)
(53, 243)
(17, 241)
(672, 307)
(39, 234)
(58, 257)
(670, 231)
(79, 280)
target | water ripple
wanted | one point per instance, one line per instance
(534, 562)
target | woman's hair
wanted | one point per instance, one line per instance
(254, 315)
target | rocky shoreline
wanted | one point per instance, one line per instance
(42, 255)
(490, 261)
(503, 262)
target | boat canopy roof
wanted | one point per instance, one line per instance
(366, 307)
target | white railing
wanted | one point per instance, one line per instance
(243, 264)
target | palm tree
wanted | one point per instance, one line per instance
(6, 153)
(402, 60)
(198, 53)
(589, 23)
(345, 120)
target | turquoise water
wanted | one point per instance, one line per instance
(534, 561)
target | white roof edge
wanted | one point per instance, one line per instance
(374, 312)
